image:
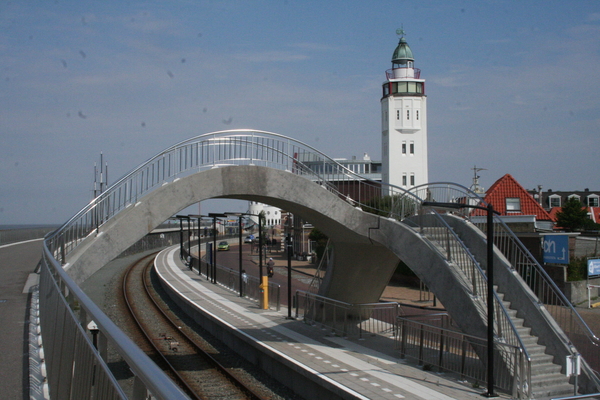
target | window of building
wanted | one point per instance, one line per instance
(403, 147)
(554, 201)
(574, 196)
(404, 180)
(407, 114)
(513, 204)
(412, 180)
(412, 148)
(417, 114)
(592, 200)
(397, 114)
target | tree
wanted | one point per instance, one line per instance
(321, 239)
(572, 216)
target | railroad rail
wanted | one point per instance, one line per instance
(189, 362)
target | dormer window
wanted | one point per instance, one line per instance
(554, 201)
(592, 200)
(513, 204)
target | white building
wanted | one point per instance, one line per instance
(404, 121)
(272, 214)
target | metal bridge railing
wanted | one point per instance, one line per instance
(211, 150)
(76, 369)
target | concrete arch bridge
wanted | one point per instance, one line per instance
(371, 225)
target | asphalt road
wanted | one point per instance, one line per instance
(17, 261)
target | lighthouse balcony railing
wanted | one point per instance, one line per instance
(403, 72)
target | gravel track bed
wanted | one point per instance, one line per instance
(110, 283)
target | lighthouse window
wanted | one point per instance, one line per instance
(412, 87)
(404, 180)
(417, 114)
(403, 147)
(397, 114)
(412, 148)
(407, 114)
(412, 179)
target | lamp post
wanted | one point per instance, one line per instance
(181, 218)
(199, 219)
(490, 283)
(241, 278)
(288, 243)
(214, 216)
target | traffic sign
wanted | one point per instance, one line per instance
(593, 267)
(556, 249)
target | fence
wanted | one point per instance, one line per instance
(345, 319)
(230, 279)
(429, 339)
(75, 367)
(434, 346)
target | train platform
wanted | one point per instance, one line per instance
(346, 368)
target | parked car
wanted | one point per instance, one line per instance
(223, 246)
(249, 239)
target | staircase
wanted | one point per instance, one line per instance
(546, 379)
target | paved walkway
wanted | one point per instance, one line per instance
(17, 264)
(361, 369)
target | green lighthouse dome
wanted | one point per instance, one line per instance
(403, 54)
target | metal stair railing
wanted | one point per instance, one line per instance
(548, 294)
(582, 338)
(437, 230)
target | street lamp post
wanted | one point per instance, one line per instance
(490, 284)
(214, 216)
(181, 218)
(241, 278)
(288, 240)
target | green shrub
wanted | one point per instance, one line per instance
(577, 269)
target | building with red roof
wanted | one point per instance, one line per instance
(519, 209)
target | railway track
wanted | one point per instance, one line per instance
(187, 358)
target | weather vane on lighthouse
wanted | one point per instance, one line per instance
(400, 31)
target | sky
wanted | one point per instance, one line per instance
(512, 86)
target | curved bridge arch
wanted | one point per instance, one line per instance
(367, 246)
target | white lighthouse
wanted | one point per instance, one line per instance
(404, 121)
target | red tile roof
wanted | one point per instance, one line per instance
(508, 187)
(593, 211)
(595, 214)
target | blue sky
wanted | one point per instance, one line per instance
(512, 87)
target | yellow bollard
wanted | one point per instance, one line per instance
(264, 288)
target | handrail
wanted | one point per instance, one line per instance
(548, 292)
(520, 259)
(143, 368)
(211, 150)
(472, 271)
